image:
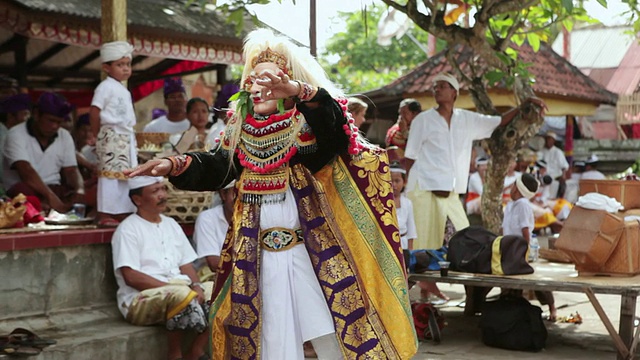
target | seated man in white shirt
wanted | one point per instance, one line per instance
(157, 283)
(591, 169)
(212, 225)
(175, 121)
(573, 183)
(39, 157)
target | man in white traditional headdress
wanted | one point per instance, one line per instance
(152, 261)
(476, 184)
(112, 119)
(438, 154)
(557, 164)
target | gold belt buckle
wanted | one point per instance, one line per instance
(278, 239)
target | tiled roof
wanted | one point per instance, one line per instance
(148, 13)
(554, 76)
(65, 36)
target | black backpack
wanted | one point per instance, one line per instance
(513, 323)
(471, 250)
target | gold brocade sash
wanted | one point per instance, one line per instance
(349, 222)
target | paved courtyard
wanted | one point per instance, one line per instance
(589, 340)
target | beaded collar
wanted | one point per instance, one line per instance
(266, 145)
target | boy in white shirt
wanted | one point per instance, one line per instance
(407, 225)
(519, 220)
(112, 119)
(404, 207)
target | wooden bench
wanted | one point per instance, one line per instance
(563, 277)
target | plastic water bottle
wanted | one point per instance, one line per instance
(534, 248)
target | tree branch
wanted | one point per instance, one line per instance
(540, 28)
(431, 5)
(517, 24)
(505, 6)
(482, 14)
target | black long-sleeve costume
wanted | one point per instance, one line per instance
(210, 171)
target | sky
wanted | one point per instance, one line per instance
(293, 20)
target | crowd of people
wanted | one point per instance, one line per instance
(302, 227)
(436, 147)
(58, 156)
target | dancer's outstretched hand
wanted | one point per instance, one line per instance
(155, 167)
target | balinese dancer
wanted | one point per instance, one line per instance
(313, 252)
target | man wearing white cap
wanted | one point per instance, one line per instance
(112, 119)
(438, 154)
(152, 261)
(591, 169)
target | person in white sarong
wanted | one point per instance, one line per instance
(438, 155)
(112, 119)
(153, 266)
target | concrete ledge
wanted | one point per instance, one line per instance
(114, 340)
(39, 282)
(46, 239)
(100, 334)
(61, 286)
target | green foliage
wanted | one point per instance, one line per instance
(236, 72)
(244, 102)
(532, 26)
(363, 64)
(633, 15)
(281, 108)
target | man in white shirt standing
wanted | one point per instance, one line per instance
(557, 164)
(438, 155)
(152, 261)
(175, 98)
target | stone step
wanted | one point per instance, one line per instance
(93, 334)
(615, 155)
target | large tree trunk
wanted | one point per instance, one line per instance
(502, 146)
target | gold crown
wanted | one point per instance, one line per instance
(271, 56)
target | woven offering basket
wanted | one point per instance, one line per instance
(590, 236)
(155, 138)
(554, 255)
(185, 206)
(625, 259)
(626, 192)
